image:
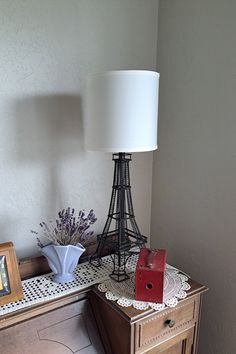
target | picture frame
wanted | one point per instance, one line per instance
(10, 281)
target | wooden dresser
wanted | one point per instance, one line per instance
(87, 323)
(130, 331)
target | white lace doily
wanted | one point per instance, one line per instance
(41, 289)
(175, 287)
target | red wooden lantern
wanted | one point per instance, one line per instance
(150, 272)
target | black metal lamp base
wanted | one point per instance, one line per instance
(121, 233)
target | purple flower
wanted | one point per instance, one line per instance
(68, 228)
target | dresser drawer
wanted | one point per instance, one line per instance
(161, 326)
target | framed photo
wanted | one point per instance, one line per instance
(10, 282)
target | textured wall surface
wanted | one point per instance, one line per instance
(194, 193)
(47, 48)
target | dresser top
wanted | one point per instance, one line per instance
(131, 314)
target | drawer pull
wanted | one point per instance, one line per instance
(170, 323)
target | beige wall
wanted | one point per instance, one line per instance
(47, 48)
(194, 180)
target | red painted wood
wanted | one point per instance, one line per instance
(150, 273)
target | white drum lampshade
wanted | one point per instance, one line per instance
(122, 111)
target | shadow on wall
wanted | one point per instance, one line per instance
(5, 227)
(48, 130)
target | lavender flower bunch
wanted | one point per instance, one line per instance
(69, 229)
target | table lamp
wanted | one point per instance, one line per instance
(121, 118)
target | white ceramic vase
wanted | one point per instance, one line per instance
(63, 260)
